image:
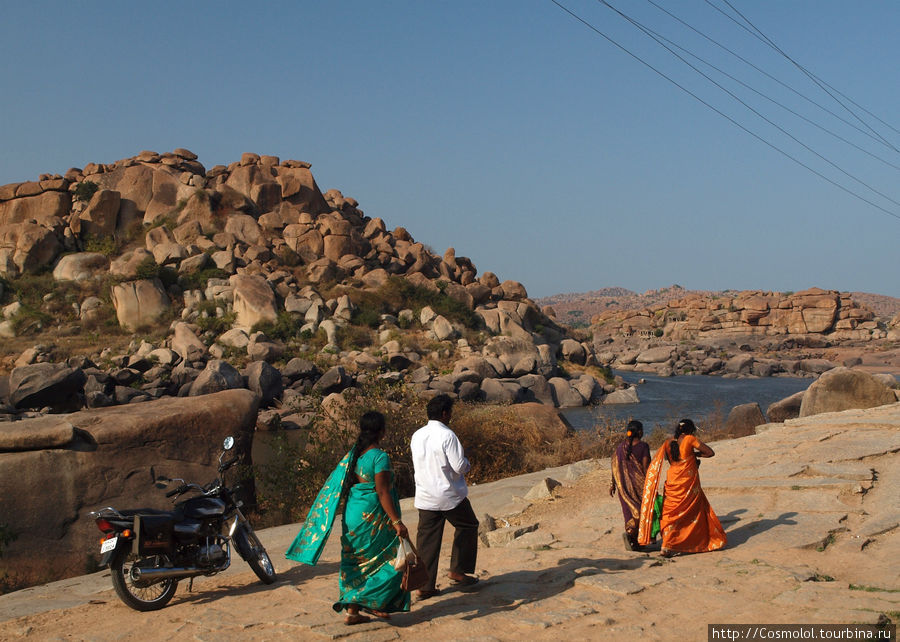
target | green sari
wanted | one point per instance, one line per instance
(368, 540)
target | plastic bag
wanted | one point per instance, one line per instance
(657, 516)
(405, 552)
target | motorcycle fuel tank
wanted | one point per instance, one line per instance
(204, 507)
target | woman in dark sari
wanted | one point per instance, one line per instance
(370, 529)
(629, 467)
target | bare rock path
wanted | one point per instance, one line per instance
(810, 507)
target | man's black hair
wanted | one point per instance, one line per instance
(437, 406)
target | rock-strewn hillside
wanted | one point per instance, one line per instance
(813, 311)
(250, 264)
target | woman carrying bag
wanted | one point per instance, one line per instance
(370, 529)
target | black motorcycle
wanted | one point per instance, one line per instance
(148, 551)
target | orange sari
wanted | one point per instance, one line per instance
(688, 522)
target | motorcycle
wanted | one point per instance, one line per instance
(149, 551)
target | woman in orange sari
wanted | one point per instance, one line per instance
(688, 523)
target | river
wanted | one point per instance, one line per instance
(665, 400)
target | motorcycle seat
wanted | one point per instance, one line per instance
(146, 511)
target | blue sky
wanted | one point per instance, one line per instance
(507, 129)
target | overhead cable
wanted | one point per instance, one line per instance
(721, 113)
(658, 39)
(777, 80)
(768, 41)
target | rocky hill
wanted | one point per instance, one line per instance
(576, 309)
(153, 276)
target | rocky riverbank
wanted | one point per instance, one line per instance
(809, 507)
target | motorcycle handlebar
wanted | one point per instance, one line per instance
(177, 491)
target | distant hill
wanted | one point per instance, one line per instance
(575, 309)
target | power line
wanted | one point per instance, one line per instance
(724, 115)
(771, 77)
(770, 99)
(765, 39)
(653, 35)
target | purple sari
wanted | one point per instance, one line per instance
(628, 471)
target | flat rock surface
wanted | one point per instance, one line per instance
(810, 508)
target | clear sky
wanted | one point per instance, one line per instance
(506, 129)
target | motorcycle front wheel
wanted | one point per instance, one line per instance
(253, 552)
(141, 596)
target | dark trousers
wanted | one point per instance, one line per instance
(465, 539)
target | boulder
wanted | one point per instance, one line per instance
(495, 392)
(787, 408)
(739, 364)
(41, 207)
(80, 266)
(537, 389)
(265, 381)
(139, 303)
(626, 395)
(26, 247)
(334, 380)
(102, 457)
(573, 351)
(217, 376)
(842, 389)
(298, 368)
(743, 419)
(100, 217)
(128, 263)
(254, 300)
(188, 346)
(566, 395)
(442, 329)
(45, 384)
(660, 354)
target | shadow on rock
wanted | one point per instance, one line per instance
(742, 534)
(509, 591)
(295, 576)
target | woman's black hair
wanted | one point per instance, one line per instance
(684, 427)
(371, 427)
(634, 429)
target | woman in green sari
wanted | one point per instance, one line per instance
(370, 528)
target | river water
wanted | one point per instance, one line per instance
(665, 400)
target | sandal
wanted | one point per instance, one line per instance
(381, 614)
(468, 580)
(426, 593)
(628, 545)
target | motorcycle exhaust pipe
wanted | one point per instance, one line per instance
(159, 574)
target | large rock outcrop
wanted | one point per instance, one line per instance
(845, 389)
(57, 468)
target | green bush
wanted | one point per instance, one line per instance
(85, 190)
(198, 280)
(211, 322)
(658, 332)
(285, 327)
(398, 293)
(105, 245)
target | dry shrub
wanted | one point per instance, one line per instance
(498, 440)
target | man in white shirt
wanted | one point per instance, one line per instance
(441, 495)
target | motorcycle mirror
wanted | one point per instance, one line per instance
(228, 444)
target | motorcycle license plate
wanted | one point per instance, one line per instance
(108, 545)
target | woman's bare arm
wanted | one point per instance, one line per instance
(704, 450)
(383, 489)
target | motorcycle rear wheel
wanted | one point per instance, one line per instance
(254, 553)
(141, 596)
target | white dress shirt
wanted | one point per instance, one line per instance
(440, 465)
